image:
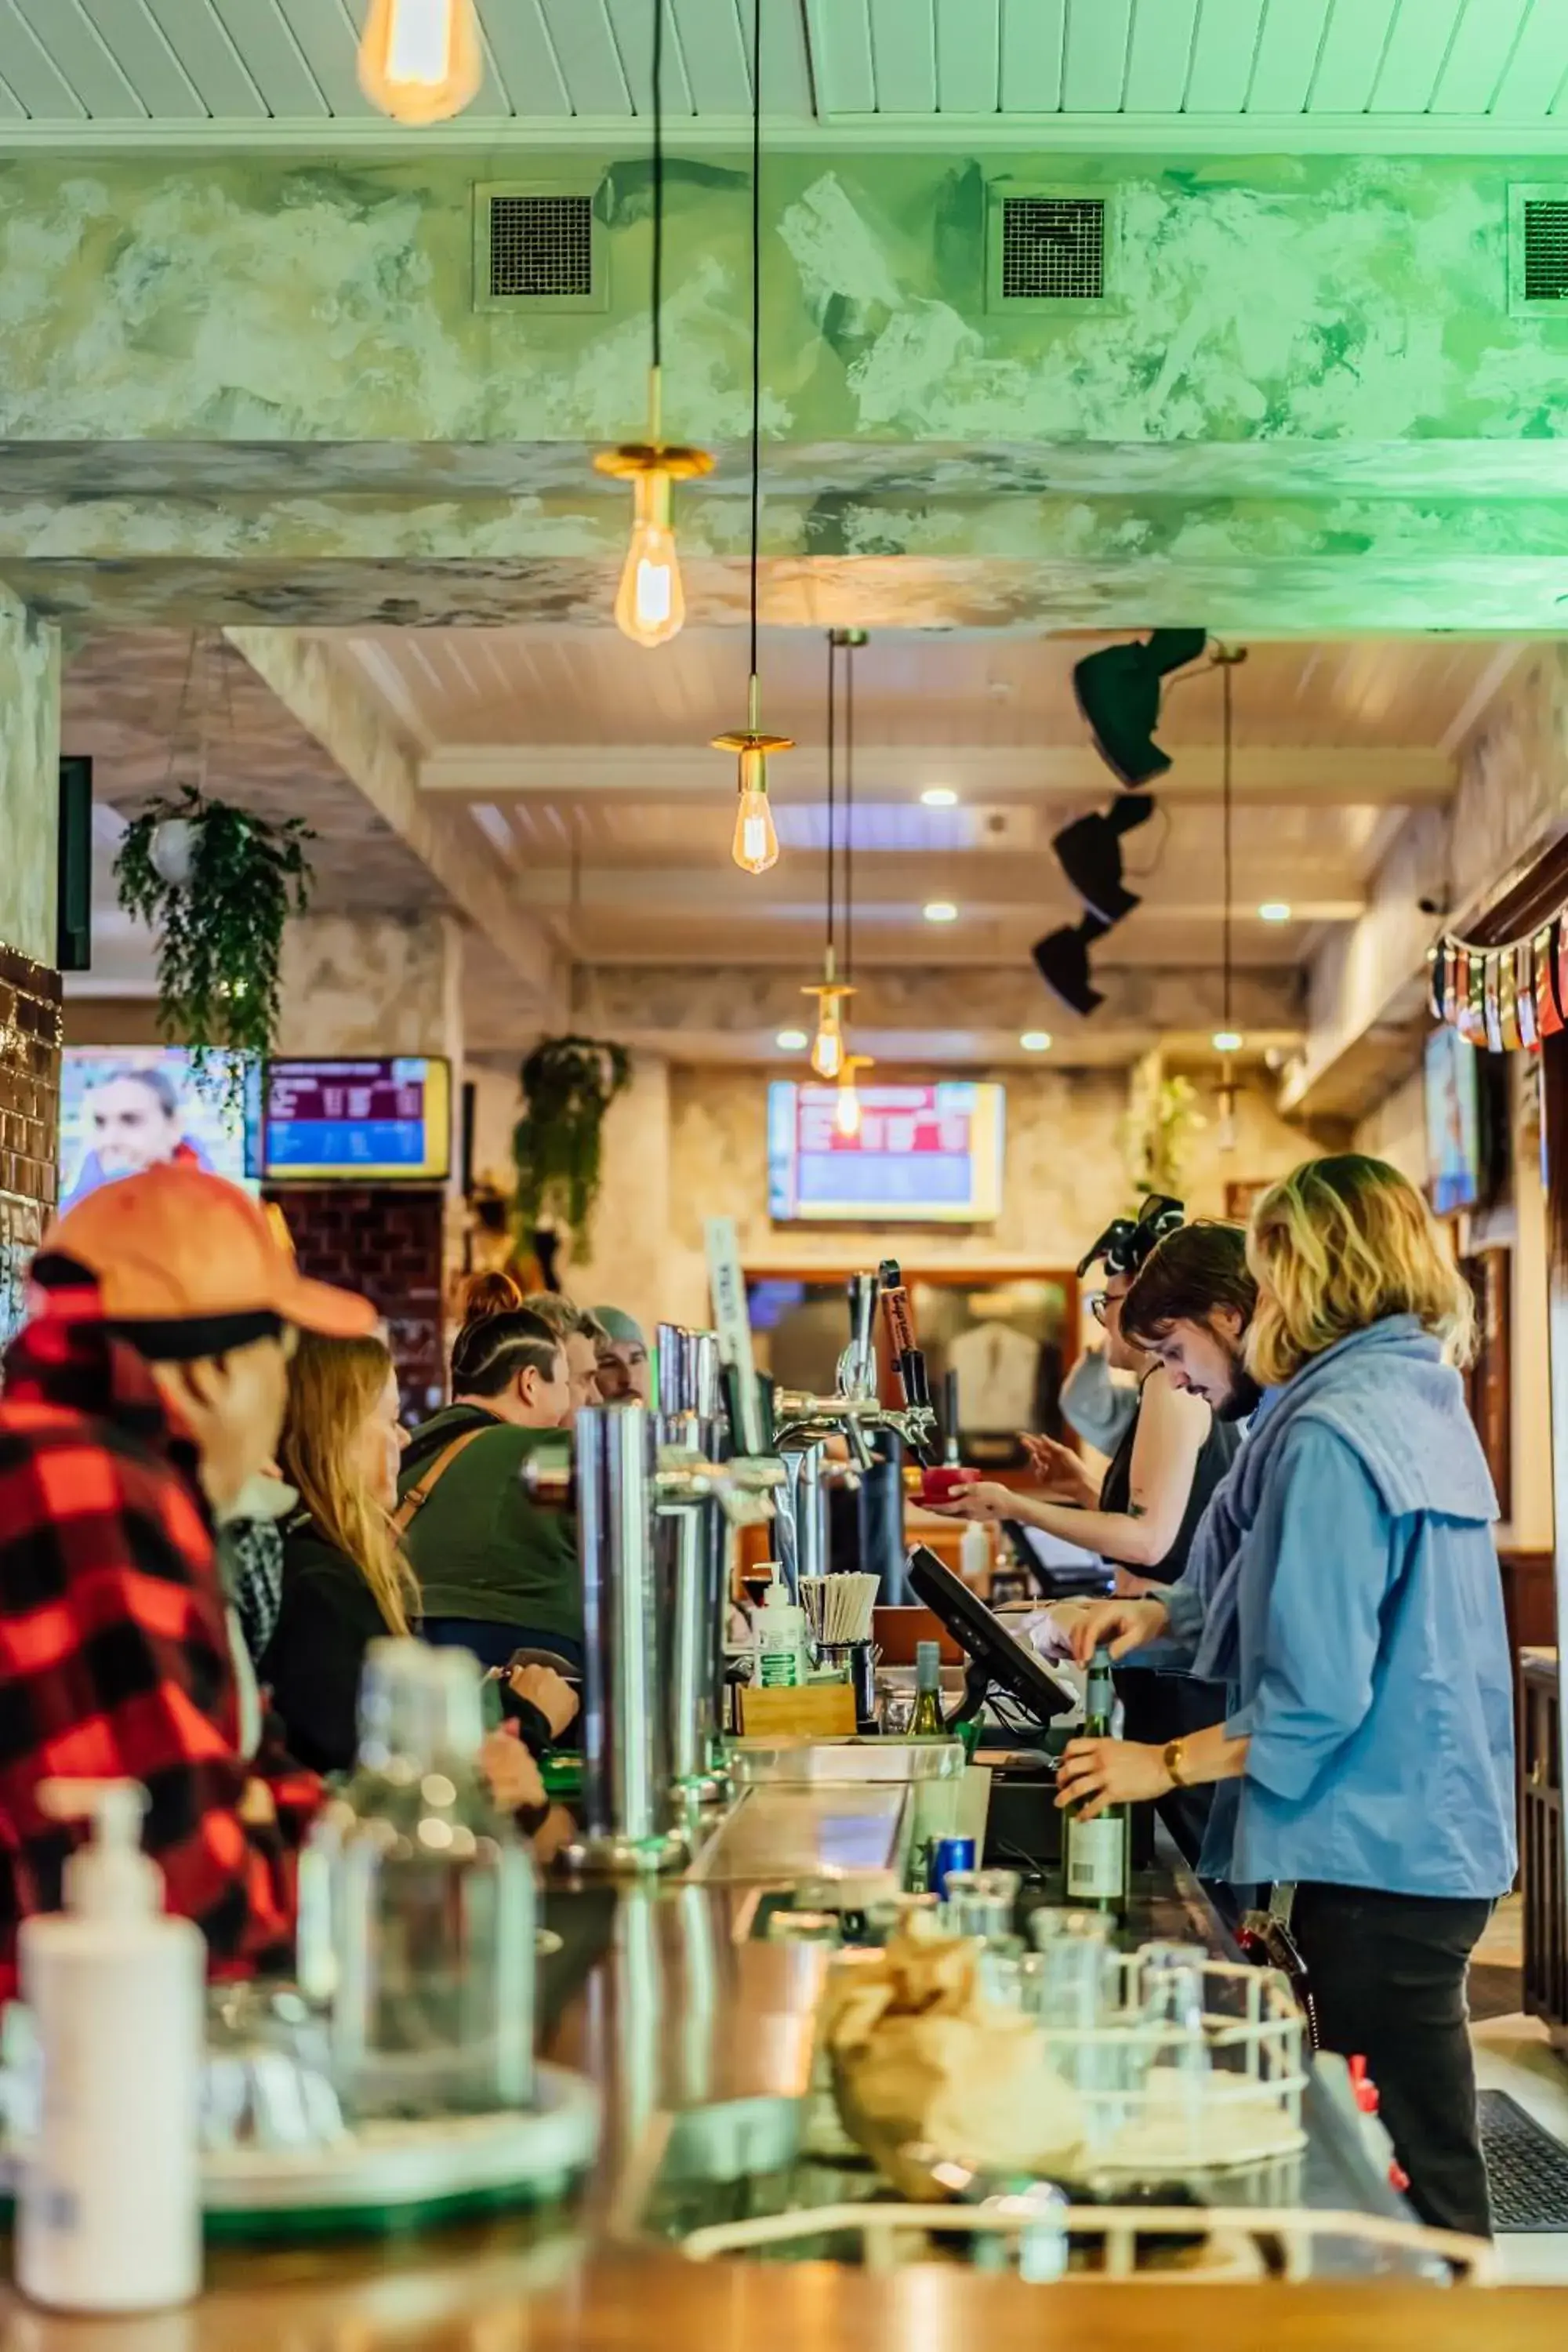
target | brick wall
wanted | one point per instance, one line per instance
(385, 1241)
(29, 1119)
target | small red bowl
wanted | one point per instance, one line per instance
(942, 1484)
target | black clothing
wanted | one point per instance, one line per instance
(1156, 1707)
(327, 1619)
(1387, 1973)
(313, 1662)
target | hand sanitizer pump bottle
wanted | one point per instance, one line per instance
(108, 2212)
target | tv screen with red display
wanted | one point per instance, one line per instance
(921, 1154)
(363, 1121)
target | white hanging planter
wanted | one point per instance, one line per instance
(173, 850)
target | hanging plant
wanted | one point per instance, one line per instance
(1162, 1118)
(568, 1084)
(216, 884)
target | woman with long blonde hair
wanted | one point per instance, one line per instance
(1345, 1585)
(345, 1583)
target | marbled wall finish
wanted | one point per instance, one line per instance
(371, 985)
(29, 780)
(1305, 404)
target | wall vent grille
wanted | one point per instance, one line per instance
(1546, 249)
(541, 244)
(542, 248)
(1052, 249)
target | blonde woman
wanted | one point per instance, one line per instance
(345, 1582)
(1345, 1585)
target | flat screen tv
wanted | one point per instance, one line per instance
(923, 1155)
(1453, 1122)
(126, 1107)
(358, 1122)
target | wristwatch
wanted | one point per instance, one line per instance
(1174, 1759)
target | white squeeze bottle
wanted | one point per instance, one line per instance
(108, 2211)
(780, 1628)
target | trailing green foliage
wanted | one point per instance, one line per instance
(219, 924)
(568, 1084)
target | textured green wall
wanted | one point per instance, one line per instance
(1319, 298)
(1306, 403)
(29, 780)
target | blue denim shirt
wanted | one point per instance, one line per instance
(1374, 1688)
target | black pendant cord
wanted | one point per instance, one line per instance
(850, 812)
(756, 303)
(658, 298)
(1226, 678)
(832, 795)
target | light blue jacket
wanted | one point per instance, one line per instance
(1349, 1593)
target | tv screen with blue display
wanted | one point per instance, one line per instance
(359, 1121)
(916, 1154)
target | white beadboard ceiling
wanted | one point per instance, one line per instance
(1317, 73)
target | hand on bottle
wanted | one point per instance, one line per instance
(987, 1501)
(1059, 1473)
(1123, 1624)
(512, 1774)
(1095, 1773)
(551, 1693)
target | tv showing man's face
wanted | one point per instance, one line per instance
(129, 1126)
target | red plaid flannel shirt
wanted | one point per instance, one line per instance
(114, 1649)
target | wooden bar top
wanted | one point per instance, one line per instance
(554, 2299)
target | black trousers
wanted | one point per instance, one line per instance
(1387, 1973)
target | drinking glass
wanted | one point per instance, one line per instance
(1074, 1984)
(981, 1903)
(1171, 1990)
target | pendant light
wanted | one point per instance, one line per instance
(847, 1110)
(421, 60)
(650, 604)
(755, 845)
(1227, 1038)
(830, 992)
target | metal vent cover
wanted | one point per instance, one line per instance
(1052, 249)
(537, 247)
(1538, 251)
(1046, 249)
(1546, 249)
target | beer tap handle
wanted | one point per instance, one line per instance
(906, 1352)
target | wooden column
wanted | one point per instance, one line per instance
(1554, 1131)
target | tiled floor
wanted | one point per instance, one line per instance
(1513, 2054)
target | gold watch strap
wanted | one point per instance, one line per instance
(1174, 1760)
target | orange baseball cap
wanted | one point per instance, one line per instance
(175, 1244)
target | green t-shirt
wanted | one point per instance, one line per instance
(479, 1548)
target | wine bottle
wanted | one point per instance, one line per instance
(926, 1723)
(1097, 1854)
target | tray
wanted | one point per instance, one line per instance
(756, 1763)
(393, 2177)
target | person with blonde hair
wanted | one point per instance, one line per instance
(1344, 1585)
(345, 1582)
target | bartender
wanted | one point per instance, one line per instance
(1143, 1515)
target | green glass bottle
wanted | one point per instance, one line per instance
(1097, 1855)
(926, 1723)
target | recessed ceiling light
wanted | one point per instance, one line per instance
(939, 796)
(1227, 1041)
(1274, 910)
(1036, 1041)
(792, 1041)
(941, 910)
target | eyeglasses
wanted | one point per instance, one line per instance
(1099, 1304)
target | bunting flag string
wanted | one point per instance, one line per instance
(1506, 999)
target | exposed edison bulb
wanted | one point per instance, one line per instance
(846, 1110)
(421, 60)
(651, 604)
(756, 844)
(827, 1045)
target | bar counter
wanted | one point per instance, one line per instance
(700, 2036)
